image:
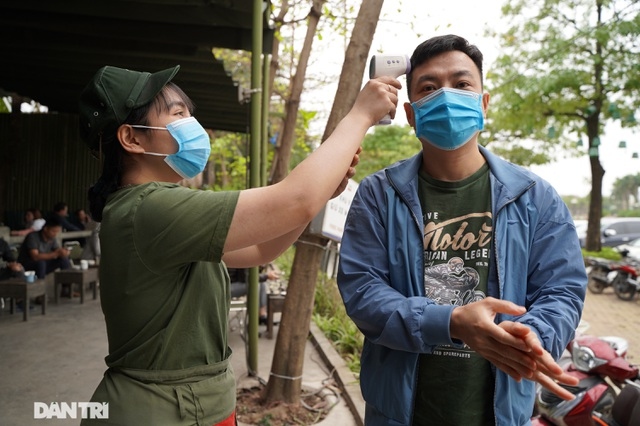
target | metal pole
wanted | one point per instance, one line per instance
(265, 117)
(256, 138)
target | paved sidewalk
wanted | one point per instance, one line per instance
(60, 356)
(607, 315)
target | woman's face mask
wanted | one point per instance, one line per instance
(448, 118)
(194, 146)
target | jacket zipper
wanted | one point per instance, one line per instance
(495, 248)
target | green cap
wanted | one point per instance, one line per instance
(111, 95)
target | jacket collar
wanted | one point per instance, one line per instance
(508, 180)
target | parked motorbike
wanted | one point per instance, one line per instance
(601, 366)
(626, 408)
(626, 283)
(598, 270)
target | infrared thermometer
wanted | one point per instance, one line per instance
(391, 65)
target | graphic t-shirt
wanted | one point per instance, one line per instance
(455, 386)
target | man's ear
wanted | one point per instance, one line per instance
(129, 139)
(409, 113)
(485, 103)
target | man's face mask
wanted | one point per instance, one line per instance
(194, 146)
(448, 118)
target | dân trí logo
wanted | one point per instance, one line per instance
(72, 410)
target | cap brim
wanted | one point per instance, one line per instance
(154, 85)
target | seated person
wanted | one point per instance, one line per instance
(82, 220)
(40, 251)
(33, 221)
(239, 279)
(61, 210)
(11, 268)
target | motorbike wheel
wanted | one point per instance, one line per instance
(596, 280)
(623, 289)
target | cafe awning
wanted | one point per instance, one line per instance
(50, 49)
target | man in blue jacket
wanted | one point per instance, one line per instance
(463, 271)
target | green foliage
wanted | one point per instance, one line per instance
(238, 64)
(625, 191)
(384, 146)
(628, 213)
(331, 317)
(605, 253)
(565, 66)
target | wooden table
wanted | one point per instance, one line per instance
(18, 288)
(76, 276)
(275, 302)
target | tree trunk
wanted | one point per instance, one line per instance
(275, 47)
(593, 241)
(285, 380)
(280, 166)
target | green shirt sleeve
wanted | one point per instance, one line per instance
(177, 225)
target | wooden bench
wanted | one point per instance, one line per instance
(82, 277)
(18, 288)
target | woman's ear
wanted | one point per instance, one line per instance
(129, 139)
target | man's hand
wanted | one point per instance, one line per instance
(62, 252)
(510, 346)
(15, 266)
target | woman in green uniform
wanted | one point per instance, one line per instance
(164, 288)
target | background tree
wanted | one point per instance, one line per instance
(568, 67)
(285, 381)
(280, 166)
(384, 146)
(625, 192)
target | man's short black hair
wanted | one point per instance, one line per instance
(60, 205)
(441, 44)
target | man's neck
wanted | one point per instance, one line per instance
(452, 166)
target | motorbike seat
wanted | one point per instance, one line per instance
(626, 408)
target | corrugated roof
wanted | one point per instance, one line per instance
(51, 49)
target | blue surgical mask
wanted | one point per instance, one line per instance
(194, 146)
(448, 118)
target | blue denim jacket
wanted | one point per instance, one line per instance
(536, 263)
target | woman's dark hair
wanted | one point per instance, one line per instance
(113, 154)
(441, 44)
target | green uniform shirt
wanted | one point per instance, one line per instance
(165, 296)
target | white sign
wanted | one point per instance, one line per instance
(335, 212)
